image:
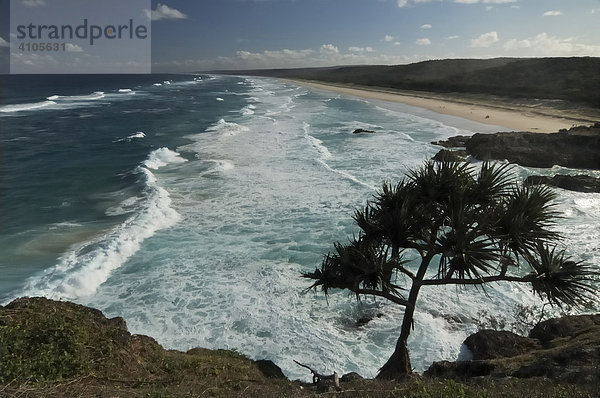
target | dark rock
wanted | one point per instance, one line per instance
(363, 320)
(578, 183)
(575, 149)
(352, 376)
(492, 344)
(460, 369)
(563, 327)
(578, 147)
(459, 141)
(445, 155)
(359, 131)
(269, 369)
(569, 353)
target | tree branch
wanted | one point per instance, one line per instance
(391, 297)
(497, 278)
(318, 377)
(406, 272)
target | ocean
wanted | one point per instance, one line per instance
(191, 204)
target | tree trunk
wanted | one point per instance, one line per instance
(398, 365)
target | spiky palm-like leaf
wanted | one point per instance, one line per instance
(491, 183)
(357, 265)
(559, 279)
(524, 219)
(466, 251)
(391, 217)
(438, 182)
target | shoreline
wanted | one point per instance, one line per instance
(513, 117)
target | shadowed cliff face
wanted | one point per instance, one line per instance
(579, 148)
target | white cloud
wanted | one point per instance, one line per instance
(397, 43)
(515, 7)
(426, 26)
(3, 43)
(545, 45)
(163, 11)
(286, 58)
(404, 3)
(485, 1)
(329, 49)
(453, 37)
(595, 11)
(73, 48)
(423, 42)
(354, 49)
(388, 38)
(33, 3)
(553, 13)
(485, 40)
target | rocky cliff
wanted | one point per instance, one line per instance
(60, 349)
(578, 147)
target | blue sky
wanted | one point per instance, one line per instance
(241, 34)
(207, 34)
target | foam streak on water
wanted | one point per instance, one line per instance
(81, 270)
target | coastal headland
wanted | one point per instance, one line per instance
(61, 349)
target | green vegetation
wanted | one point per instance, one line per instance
(572, 79)
(448, 224)
(60, 349)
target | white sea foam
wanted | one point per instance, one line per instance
(127, 206)
(55, 102)
(139, 134)
(227, 128)
(221, 165)
(220, 99)
(248, 110)
(126, 91)
(26, 107)
(65, 224)
(162, 157)
(96, 95)
(317, 143)
(325, 155)
(157, 84)
(81, 270)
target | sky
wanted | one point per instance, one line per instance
(249, 34)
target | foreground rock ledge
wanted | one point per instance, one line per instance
(61, 349)
(564, 350)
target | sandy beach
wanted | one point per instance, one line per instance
(512, 116)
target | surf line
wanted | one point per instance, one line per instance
(325, 154)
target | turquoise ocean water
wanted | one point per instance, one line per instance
(191, 204)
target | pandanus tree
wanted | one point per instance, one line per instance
(464, 227)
